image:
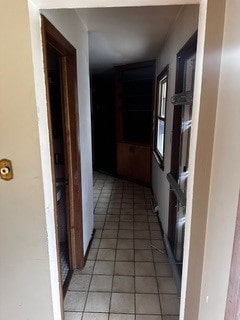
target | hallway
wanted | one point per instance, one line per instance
(127, 275)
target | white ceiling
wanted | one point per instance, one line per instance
(124, 35)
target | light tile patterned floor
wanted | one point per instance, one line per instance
(127, 275)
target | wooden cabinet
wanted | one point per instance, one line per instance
(134, 111)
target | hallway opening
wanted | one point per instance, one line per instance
(132, 113)
(60, 165)
(142, 111)
(127, 140)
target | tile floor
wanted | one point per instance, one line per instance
(127, 275)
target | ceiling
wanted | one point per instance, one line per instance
(124, 35)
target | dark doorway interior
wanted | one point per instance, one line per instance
(103, 113)
(59, 152)
(122, 105)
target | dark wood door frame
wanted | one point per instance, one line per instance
(186, 51)
(53, 39)
(233, 298)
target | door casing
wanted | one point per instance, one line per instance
(187, 50)
(53, 39)
(233, 298)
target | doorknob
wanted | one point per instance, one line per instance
(6, 172)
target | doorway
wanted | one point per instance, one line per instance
(60, 67)
(60, 164)
(103, 122)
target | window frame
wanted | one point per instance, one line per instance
(161, 78)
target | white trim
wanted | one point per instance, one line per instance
(74, 4)
(35, 28)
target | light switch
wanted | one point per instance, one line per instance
(6, 172)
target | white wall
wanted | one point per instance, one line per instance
(225, 176)
(208, 72)
(24, 261)
(185, 26)
(29, 271)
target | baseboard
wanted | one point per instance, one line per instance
(89, 246)
(67, 282)
(173, 265)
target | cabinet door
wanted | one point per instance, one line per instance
(125, 160)
(134, 162)
(141, 169)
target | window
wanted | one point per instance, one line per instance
(161, 115)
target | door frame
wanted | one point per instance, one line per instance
(232, 311)
(52, 38)
(186, 51)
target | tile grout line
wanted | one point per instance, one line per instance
(132, 238)
(114, 263)
(108, 315)
(134, 259)
(84, 307)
